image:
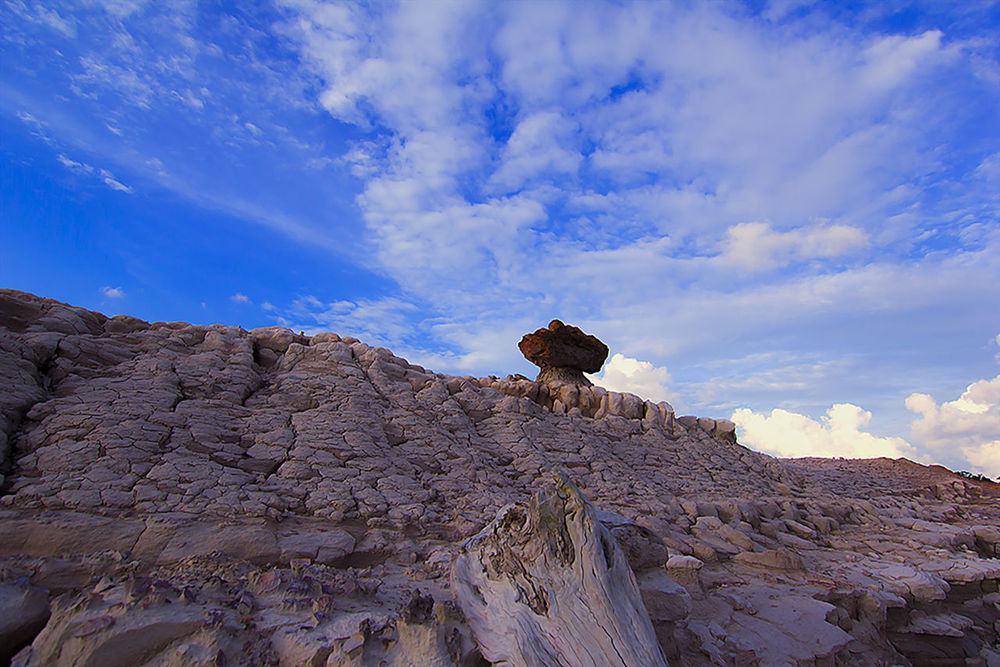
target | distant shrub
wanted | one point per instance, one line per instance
(975, 477)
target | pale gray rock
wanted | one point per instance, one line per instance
(773, 559)
(546, 584)
(211, 459)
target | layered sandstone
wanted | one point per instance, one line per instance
(194, 494)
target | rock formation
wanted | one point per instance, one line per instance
(546, 585)
(563, 353)
(178, 494)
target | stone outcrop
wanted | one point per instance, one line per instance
(178, 494)
(563, 353)
(546, 584)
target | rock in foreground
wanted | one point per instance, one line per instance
(178, 494)
(546, 584)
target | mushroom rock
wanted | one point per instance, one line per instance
(563, 353)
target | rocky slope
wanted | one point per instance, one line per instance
(178, 494)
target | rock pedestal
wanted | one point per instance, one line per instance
(563, 353)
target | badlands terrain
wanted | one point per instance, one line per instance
(204, 495)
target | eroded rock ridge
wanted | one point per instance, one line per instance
(178, 494)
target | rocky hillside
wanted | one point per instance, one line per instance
(178, 494)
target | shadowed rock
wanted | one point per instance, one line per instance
(563, 353)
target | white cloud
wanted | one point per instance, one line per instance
(778, 9)
(985, 457)
(114, 184)
(604, 161)
(134, 60)
(113, 292)
(877, 293)
(84, 169)
(838, 433)
(756, 246)
(541, 144)
(38, 13)
(634, 376)
(239, 297)
(383, 321)
(989, 168)
(486, 345)
(770, 377)
(123, 8)
(128, 82)
(894, 58)
(962, 434)
(74, 166)
(691, 120)
(967, 427)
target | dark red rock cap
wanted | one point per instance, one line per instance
(564, 346)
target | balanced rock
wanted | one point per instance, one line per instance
(563, 353)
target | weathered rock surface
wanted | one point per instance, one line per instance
(546, 585)
(563, 353)
(23, 613)
(186, 494)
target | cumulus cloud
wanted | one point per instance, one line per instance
(634, 376)
(113, 292)
(239, 297)
(838, 433)
(966, 428)
(962, 434)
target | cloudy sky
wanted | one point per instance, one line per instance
(784, 213)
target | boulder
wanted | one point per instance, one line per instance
(772, 559)
(563, 353)
(643, 548)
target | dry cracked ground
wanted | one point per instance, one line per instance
(204, 495)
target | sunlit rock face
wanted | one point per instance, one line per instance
(175, 494)
(563, 353)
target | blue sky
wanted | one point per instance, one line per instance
(784, 212)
